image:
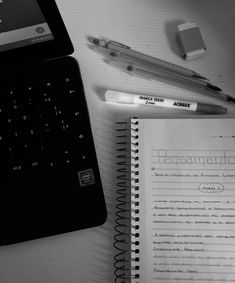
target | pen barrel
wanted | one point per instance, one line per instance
(159, 71)
(179, 104)
(165, 102)
(156, 73)
(140, 57)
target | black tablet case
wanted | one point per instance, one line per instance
(48, 202)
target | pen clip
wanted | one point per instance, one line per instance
(118, 44)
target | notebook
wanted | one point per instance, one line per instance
(49, 179)
(176, 201)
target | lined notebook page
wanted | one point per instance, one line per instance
(187, 200)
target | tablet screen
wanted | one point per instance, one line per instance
(22, 23)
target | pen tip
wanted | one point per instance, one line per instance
(230, 99)
(213, 87)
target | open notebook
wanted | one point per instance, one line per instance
(179, 225)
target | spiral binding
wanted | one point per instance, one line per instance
(126, 239)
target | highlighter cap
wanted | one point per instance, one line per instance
(211, 109)
(119, 97)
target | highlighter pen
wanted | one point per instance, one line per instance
(128, 98)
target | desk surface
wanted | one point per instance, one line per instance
(148, 26)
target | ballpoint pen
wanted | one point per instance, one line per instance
(130, 99)
(122, 59)
(146, 59)
(134, 70)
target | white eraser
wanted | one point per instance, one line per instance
(190, 41)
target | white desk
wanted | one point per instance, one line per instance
(148, 26)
